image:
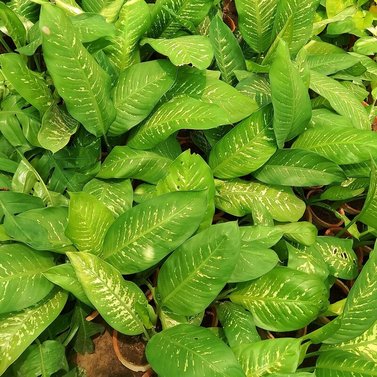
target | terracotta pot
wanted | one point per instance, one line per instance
(354, 207)
(333, 231)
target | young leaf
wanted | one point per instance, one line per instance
(42, 360)
(78, 78)
(121, 303)
(125, 162)
(30, 85)
(18, 330)
(14, 26)
(88, 222)
(341, 100)
(341, 145)
(198, 270)
(138, 90)
(228, 53)
(179, 352)
(256, 19)
(238, 197)
(180, 112)
(269, 356)
(21, 276)
(283, 299)
(189, 172)
(65, 277)
(138, 239)
(245, 148)
(290, 98)
(294, 167)
(133, 22)
(56, 129)
(117, 196)
(191, 49)
(238, 324)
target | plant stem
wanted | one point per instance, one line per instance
(5, 44)
(308, 369)
(341, 232)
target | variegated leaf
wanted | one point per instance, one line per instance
(368, 213)
(18, 330)
(120, 302)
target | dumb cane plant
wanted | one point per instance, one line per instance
(100, 203)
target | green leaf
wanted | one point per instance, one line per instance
(344, 364)
(269, 356)
(256, 259)
(341, 145)
(14, 27)
(117, 196)
(327, 118)
(18, 330)
(133, 22)
(283, 299)
(341, 100)
(41, 229)
(228, 53)
(88, 222)
(56, 129)
(238, 324)
(359, 312)
(198, 270)
(238, 197)
(191, 49)
(78, 78)
(339, 256)
(41, 360)
(65, 277)
(189, 172)
(169, 16)
(257, 88)
(125, 162)
(256, 20)
(30, 85)
(16, 202)
(145, 234)
(21, 276)
(180, 112)
(302, 232)
(294, 167)
(180, 351)
(290, 98)
(144, 192)
(121, 303)
(245, 148)
(138, 90)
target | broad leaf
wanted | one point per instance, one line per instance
(302, 232)
(189, 172)
(256, 20)
(294, 167)
(269, 356)
(341, 100)
(18, 330)
(344, 364)
(257, 88)
(179, 352)
(138, 90)
(196, 272)
(65, 277)
(245, 148)
(88, 222)
(117, 196)
(228, 53)
(14, 26)
(78, 78)
(341, 145)
(121, 303)
(290, 98)
(238, 198)
(238, 324)
(138, 239)
(21, 276)
(180, 112)
(191, 49)
(56, 129)
(17, 202)
(283, 299)
(133, 22)
(125, 162)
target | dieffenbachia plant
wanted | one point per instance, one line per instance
(100, 202)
